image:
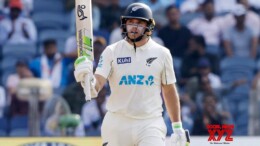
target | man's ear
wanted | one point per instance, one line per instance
(148, 33)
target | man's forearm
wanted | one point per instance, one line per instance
(172, 102)
(100, 82)
(254, 47)
(228, 49)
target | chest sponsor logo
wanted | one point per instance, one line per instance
(137, 80)
(123, 60)
(149, 61)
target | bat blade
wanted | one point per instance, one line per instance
(84, 29)
(84, 35)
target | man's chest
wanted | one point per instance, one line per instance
(137, 68)
(137, 63)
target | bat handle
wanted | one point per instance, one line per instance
(187, 134)
(87, 88)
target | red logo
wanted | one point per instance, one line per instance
(216, 133)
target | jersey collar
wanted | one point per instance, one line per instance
(143, 47)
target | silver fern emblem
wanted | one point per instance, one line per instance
(150, 60)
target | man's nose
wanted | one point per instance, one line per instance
(135, 25)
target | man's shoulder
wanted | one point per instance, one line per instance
(24, 19)
(155, 46)
(13, 76)
(5, 21)
(230, 30)
(164, 29)
(253, 15)
(112, 46)
(117, 45)
(196, 21)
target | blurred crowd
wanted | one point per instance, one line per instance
(214, 44)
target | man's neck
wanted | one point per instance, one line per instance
(202, 51)
(209, 18)
(175, 25)
(240, 27)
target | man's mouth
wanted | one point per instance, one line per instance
(133, 32)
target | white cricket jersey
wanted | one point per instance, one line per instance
(135, 77)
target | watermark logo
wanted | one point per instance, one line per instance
(220, 134)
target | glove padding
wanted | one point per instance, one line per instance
(83, 66)
(179, 136)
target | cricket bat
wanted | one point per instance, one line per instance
(84, 35)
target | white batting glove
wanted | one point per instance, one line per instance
(83, 66)
(179, 136)
(93, 91)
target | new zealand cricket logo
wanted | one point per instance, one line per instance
(80, 12)
(150, 60)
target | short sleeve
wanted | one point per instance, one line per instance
(168, 75)
(227, 34)
(30, 27)
(253, 32)
(12, 81)
(104, 64)
(193, 26)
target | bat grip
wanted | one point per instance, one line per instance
(187, 134)
(87, 88)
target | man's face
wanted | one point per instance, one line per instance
(209, 10)
(193, 45)
(240, 19)
(173, 15)
(153, 1)
(135, 27)
(50, 50)
(204, 71)
(114, 2)
(245, 3)
(23, 71)
(14, 13)
(20, 70)
(205, 85)
(210, 104)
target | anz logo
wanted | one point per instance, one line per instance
(137, 80)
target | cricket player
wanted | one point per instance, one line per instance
(138, 70)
